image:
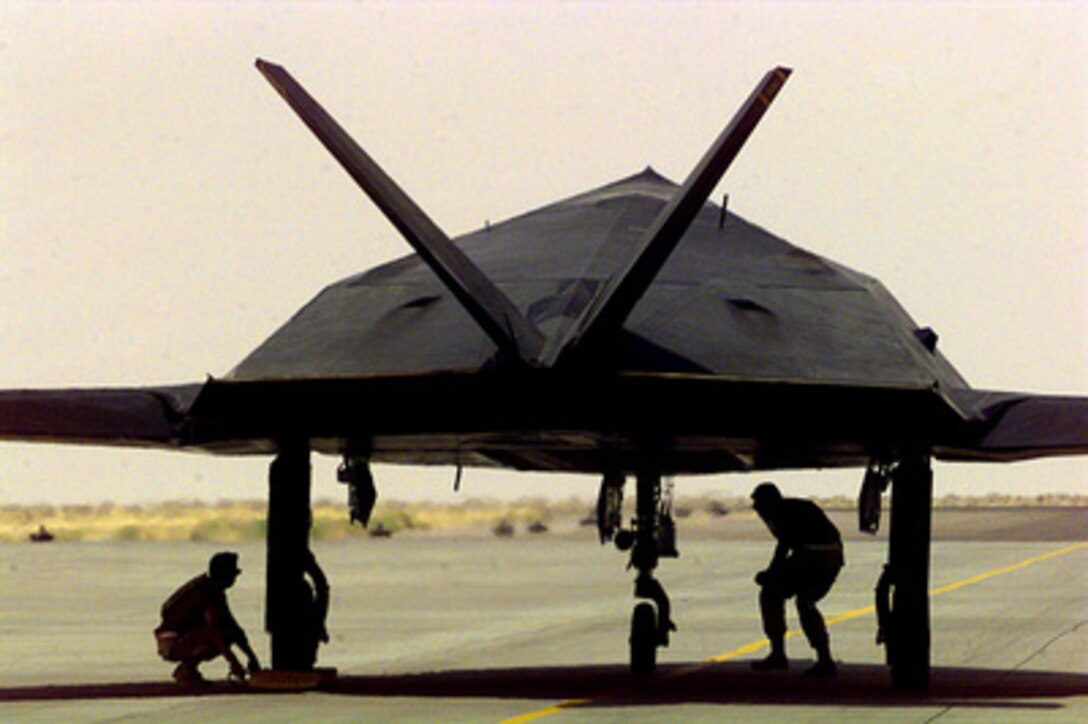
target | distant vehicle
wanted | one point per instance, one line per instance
(504, 529)
(379, 531)
(718, 508)
(41, 535)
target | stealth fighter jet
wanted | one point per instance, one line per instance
(636, 329)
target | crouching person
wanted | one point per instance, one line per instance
(197, 624)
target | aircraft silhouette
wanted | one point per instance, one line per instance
(634, 329)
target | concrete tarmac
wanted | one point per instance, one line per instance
(483, 629)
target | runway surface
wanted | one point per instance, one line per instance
(535, 628)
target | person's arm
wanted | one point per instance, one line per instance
(321, 597)
(252, 664)
(221, 639)
(237, 635)
(772, 569)
(780, 552)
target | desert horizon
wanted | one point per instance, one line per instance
(243, 520)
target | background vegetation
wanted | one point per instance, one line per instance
(230, 521)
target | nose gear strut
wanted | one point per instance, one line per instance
(652, 536)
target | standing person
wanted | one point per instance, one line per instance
(197, 624)
(806, 562)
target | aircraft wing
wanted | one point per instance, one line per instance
(137, 417)
(1010, 426)
(1001, 426)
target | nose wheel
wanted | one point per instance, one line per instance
(644, 639)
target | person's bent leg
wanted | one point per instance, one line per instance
(812, 623)
(772, 607)
(191, 648)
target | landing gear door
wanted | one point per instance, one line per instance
(876, 480)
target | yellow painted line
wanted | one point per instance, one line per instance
(1007, 569)
(754, 646)
(541, 713)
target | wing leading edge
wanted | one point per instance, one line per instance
(134, 417)
(1011, 426)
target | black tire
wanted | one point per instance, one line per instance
(643, 640)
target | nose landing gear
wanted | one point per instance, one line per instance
(652, 536)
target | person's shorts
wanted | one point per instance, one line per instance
(192, 644)
(808, 575)
(166, 642)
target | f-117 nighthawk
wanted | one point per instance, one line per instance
(636, 329)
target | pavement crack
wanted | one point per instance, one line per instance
(1053, 639)
(1022, 663)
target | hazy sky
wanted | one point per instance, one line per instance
(162, 211)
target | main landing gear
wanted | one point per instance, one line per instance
(651, 537)
(902, 598)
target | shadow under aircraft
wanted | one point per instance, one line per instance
(634, 330)
(610, 687)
